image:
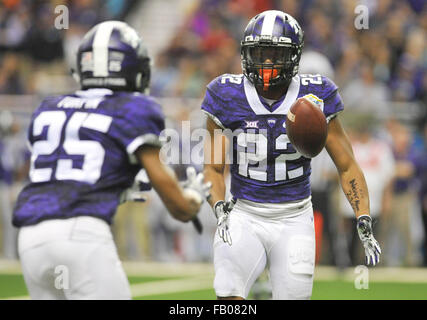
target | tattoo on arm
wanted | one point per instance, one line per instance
(354, 195)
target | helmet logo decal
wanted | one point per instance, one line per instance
(285, 40)
(86, 61)
(294, 24)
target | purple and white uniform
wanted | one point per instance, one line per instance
(83, 158)
(272, 220)
(274, 172)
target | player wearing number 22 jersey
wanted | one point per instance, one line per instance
(269, 178)
(269, 221)
(275, 172)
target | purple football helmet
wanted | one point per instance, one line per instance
(271, 48)
(112, 55)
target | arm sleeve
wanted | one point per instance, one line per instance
(333, 103)
(30, 140)
(212, 106)
(139, 125)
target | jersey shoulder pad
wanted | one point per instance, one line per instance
(138, 120)
(324, 89)
(220, 98)
(51, 101)
(226, 85)
(318, 85)
(133, 106)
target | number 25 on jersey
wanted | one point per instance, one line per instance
(92, 151)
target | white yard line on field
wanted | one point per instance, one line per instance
(160, 287)
(17, 298)
(397, 275)
(10, 266)
(167, 269)
(171, 286)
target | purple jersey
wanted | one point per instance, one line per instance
(82, 153)
(265, 166)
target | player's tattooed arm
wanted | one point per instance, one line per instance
(354, 186)
(351, 176)
(214, 163)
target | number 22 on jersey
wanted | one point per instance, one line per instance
(254, 152)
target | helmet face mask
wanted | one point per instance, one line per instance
(112, 55)
(277, 55)
(271, 49)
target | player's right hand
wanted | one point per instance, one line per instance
(222, 210)
(138, 191)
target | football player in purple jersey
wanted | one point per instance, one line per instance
(269, 221)
(86, 150)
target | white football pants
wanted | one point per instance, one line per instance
(277, 236)
(73, 258)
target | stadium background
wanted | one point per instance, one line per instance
(382, 75)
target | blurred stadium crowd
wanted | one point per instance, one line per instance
(381, 72)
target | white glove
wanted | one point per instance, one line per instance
(372, 247)
(138, 191)
(222, 210)
(194, 185)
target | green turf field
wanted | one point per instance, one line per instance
(168, 282)
(327, 290)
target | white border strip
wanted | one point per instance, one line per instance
(333, 115)
(149, 138)
(214, 119)
(268, 24)
(100, 49)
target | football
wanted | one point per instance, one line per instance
(306, 126)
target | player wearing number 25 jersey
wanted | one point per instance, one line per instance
(86, 150)
(83, 158)
(269, 221)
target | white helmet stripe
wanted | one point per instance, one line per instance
(100, 49)
(268, 23)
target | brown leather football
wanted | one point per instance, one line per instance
(306, 127)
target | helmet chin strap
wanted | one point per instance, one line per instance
(75, 75)
(138, 80)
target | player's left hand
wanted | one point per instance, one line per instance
(372, 247)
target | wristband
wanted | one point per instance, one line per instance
(218, 203)
(365, 216)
